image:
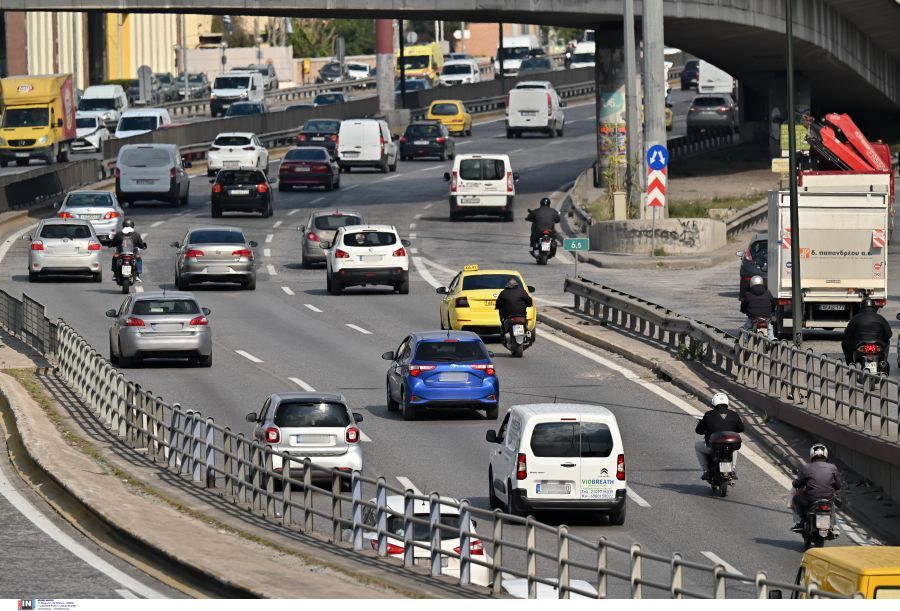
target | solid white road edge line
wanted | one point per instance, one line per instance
(138, 289)
(249, 356)
(302, 384)
(318, 199)
(293, 212)
(312, 307)
(634, 496)
(85, 555)
(718, 560)
(4, 248)
(408, 485)
(157, 224)
(287, 290)
(360, 329)
(412, 225)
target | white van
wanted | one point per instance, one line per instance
(366, 143)
(534, 110)
(553, 456)
(235, 86)
(459, 71)
(107, 102)
(482, 184)
(515, 49)
(583, 55)
(711, 79)
(139, 121)
(152, 172)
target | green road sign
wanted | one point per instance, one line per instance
(577, 244)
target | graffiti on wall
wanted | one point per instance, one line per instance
(687, 235)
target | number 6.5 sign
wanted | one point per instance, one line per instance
(577, 244)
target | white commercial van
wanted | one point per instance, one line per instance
(366, 143)
(152, 172)
(482, 184)
(234, 87)
(534, 110)
(583, 55)
(107, 102)
(515, 49)
(459, 71)
(552, 456)
(139, 121)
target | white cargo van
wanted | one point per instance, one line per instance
(366, 143)
(711, 79)
(515, 49)
(534, 110)
(139, 121)
(482, 184)
(558, 456)
(583, 55)
(234, 87)
(152, 172)
(107, 102)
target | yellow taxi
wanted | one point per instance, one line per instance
(872, 570)
(670, 116)
(452, 114)
(469, 303)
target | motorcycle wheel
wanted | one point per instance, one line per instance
(816, 540)
(126, 285)
(518, 350)
(542, 259)
(723, 490)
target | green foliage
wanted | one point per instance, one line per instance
(699, 209)
(660, 252)
(564, 35)
(315, 37)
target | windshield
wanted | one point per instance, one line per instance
(127, 124)
(457, 69)
(482, 169)
(330, 69)
(514, 52)
(305, 414)
(416, 62)
(144, 158)
(232, 82)
(26, 117)
(88, 200)
(216, 236)
(238, 110)
(232, 141)
(85, 122)
(583, 58)
(423, 131)
(311, 153)
(486, 281)
(97, 104)
(162, 307)
(413, 85)
(450, 351)
(194, 78)
(165, 78)
(444, 109)
(240, 177)
(330, 127)
(335, 221)
(329, 98)
(370, 238)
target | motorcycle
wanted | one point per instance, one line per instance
(545, 248)
(819, 524)
(568, 61)
(516, 336)
(126, 270)
(724, 445)
(871, 359)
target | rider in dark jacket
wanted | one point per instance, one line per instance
(758, 302)
(513, 300)
(867, 326)
(137, 243)
(542, 219)
(817, 479)
(717, 420)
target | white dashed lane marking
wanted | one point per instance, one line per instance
(287, 290)
(271, 269)
(312, 307)
(318, 199)
(277, 224)
(360, 329)
(302, 384)
(157, 224)
(293, 212)
(408, 485)
(269, 238)
(249, 356)
(718, 560)
(267, 252)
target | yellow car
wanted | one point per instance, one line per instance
(469, 301)
(670, 116)
(453, 114)
(871, 570)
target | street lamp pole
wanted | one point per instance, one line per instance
(796, 293)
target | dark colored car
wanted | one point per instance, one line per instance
(414, 84)
(198, 86)
(426, 139)
(320, 132)
(690, 75)
(536, 64)
(132, 89)
(241, 191)
(331, 73)
(329, 97)
(754, 260)
(712, 112)
(167, 87)
(310, 166)
(242, 109)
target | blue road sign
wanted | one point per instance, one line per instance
(657, 157)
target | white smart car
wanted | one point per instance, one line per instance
(361, 255)
(236, 151)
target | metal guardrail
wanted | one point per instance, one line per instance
(45, 185)
(746, 218)
(341, 506)
(685, 146)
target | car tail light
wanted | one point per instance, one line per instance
(320, 168)
(693, 109)
(392, 549)
(217, 188)
(620, 468)
(340, 254)
(273, 435)
(521, 467)
(118, 172)
(454, 178)
(214, 148)
(416, 370)
(476, 548)
(403, 140)
(517, 320)
(93, 245)
(722, 109)
(193, 252)
(133, 322)
(262, 188)
(784, 302)
(400, 252)
(747, 255)
(243, 252)
(869, 348)
(301, 138)
(112, 214)
(880, 303)
(509, 182)
(249, 148)
(64, 215)
(37, 246)
(172, 174)
(381, 142)
(824, 507)
(488, 368)
(440, 140)
(549, 104)
(199, 321)
(312, 237)
(462, 302)
(334, 138)
(352, 435)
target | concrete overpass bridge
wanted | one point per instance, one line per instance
(847, 51)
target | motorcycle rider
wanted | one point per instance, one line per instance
(758, 302)
(542, 219)
(137, 242)
(717, 420)
(817, 479)
(513, 300)
(867, 326)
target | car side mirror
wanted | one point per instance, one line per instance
(395, 137)
(562, 104)
(357, 417)
(212, 181)
(59, 123)
(777, 594)
(206, 311)
(56, 205)
(301, 228)
(175, 245)
(530, 289)
(491, 436)
(739, 253)
(253, 243)
(515, 177)
(326, 244)
(406, 243)
(110, 313)
(26, 238)
(388, 356)
(490, 354)
(251, 417)
(447, 176)
(442, 290)
(273, 180)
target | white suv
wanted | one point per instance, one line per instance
(237, 150)
(367, 254)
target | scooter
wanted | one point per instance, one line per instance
(545, 247)
(126, 270)
(871, 359)
(724, 445)
(516, 337)
(761, 326)
(819, 524)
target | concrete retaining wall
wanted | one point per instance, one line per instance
(676, 236)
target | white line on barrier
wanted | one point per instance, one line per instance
(718, 560)
(293, 212)
(157, 223)
(634, 496)
(269, 238)
(360, 329)
(287, 290)
(271, 269)
(277, 224)
(312, 307)
(408, 485)
(249, 356)
(302, 384)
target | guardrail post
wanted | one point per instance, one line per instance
(602, 566)
(307, 496)
(562, 561)
(210, 457)
(286, 488)
(228, 463)
(409, 549)
(356, 510)
(255, 480)
(465, 544)
(497, 562)
(196, 440)
(240, 454)
(719, 573)
(186, 434)
(530, 557)
(160, 431)
(174, 427)
(762, 587)
(337, 488)
(637, 587)
(677, 583)
(434, 528)
(269, 472)
(381, 516)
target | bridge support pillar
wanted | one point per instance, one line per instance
(778, 107)
(611, 170)
(384, 62)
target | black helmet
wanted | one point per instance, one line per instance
(867, 303)
(545, 201)
(128, 223)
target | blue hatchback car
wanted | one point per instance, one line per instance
(441, 369)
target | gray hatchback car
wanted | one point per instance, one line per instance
(712, 112)
(215, 254)
(322, 227)
(161, 324)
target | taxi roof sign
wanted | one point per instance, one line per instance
(471, 268)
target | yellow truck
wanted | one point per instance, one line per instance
(871, 570)
(421, 61)
(38, 119)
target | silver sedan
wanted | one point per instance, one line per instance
(322, 227)
(63, 246)
(99, 207)
(161, 324)
(215, 254)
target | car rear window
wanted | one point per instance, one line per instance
(298, 414)
(162, 307)
(329, 98)
(709, 102)
(572, 440)
(369, 238)
(85, 200)
(240, 177)
(444, 109)
(450, 352)
(423, 131)
(86, 122)
(596, 440)
(322, 126)
(486, 281)
(137, 123)
(482, 169)
(333, 221)
(759, 249)
(307, 154)
(145, 158)
(60, 232)
(216, 236)
(232, 141)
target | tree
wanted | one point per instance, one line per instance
(315, 37)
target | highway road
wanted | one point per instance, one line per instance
(290, 333)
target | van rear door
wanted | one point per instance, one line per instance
(360, 141)
(145, 169)
(554, 459)
(530, 108)
(482, 181)
(600, 448)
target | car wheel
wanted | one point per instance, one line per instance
(393, 166)
(3, 164)
(392, 406)
(334, 286)
(509, 133)
(493, 501)
(512, 505)
(410, 412)
(304, 263)
(384, 166)
(508, 216)
(337, 183)
(329, 186)
(97, 276)
(205, 361)
(617, 518)
(345, 169)
(492, 412)
(283, 187)
(551, 133)
(215, 212)
(112, 354)
(124, 361)
(250, 283)
(403, 286)
(454, 215)
(561, 130)
(443, 156)
(33, 276)
(182, 284)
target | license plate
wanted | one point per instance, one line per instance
(170, 326)
(872, 367)
(301, 169)
(550, 488)
(89, 217)
(490, 302)
(370, 258)
(23, 155)
(823, 521)
(126, 270)
(145, 181)
(545, 246)
(518, 330)
(350, 153)
(239, 192)
(469, 200)
(831, 307)
(318, 138)
(231, 164)
(312, 438)
(453, 377)
(528, 113)
(421, 142)
(725, 467)
(218, 269)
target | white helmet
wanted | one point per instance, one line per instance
(818, 450)
(720, 398)
(127, 230)
(756, 280)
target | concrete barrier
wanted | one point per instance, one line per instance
(676, 236)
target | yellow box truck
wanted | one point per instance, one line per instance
(38, 119)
